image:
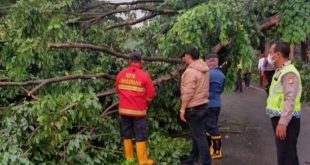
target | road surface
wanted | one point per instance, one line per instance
(247, 134)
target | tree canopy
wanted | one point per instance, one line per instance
(59, 58)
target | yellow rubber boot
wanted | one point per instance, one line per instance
(210, 143)
(141, 154)
(128, 149)
(211, 149)
(217, 143)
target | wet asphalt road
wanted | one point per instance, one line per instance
(248, 138)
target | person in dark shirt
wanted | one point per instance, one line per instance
(238, 84)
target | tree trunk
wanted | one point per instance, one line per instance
(305, 50)
(267, 46)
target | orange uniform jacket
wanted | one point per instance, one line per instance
(134, 87)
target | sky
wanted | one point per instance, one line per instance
(139, 13)
(117, 0)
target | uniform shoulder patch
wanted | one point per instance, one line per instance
(291, 78)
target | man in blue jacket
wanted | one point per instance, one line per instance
(216, 87)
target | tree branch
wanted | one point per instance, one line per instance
(108, 109)
(109, 51)
(132, 22)
(98, 16)
(159, 11)
(269, 22)
(110, 112)
(218, 47)
(157, 81)
(2, 42)
(108, 92)
(266, 24)
(103, 3)
(4, 79)
(95, 19)
(71, 105)
(132, 3)
(27, 92)
(170, 75)
(32, 134)
(41, 83)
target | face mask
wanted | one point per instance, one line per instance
(270, 60)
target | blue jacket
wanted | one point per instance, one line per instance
(217, 81)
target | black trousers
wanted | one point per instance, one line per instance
(196, 118)
(287, 149)
(238, 84)
(247, 79)
(212, 121)
(133, 125)
(268, 74)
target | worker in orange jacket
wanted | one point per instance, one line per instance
(135, 91)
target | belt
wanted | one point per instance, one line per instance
(196, 107)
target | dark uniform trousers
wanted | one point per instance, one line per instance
(286, 149)
(133, 125)
(212, 121)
